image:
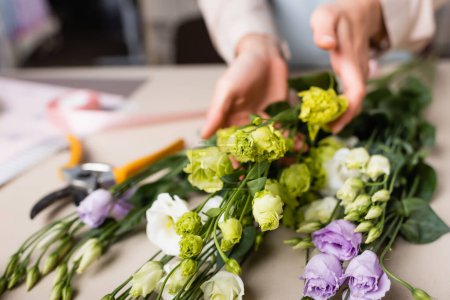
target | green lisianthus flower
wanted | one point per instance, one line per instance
(296, 179)
(257, 143)
(267, 210)
(276, 188)
(319, 107)
(190, 246)
(231, 233)
(188, 223)
(225, 138)
(206, 167)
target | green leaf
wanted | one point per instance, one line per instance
(288, 116)
(423, 226)
(427, 181)
(410, 205)
(256, 185)
(233, 178)
(258, 170)
(276, 108)
(427, 134)
(213, 212)
(245, 245)
(323, 80)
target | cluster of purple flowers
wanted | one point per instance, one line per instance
(100, 204)
(324, 273)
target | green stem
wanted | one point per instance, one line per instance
(163, 285)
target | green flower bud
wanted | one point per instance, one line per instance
(319, 107)
(12, 264)
(190, 246)
(188, 223)
(51, 263)
(267, 210)
(357, 159)
(146, 279)
(309, 227)
(108, 297)
(258, 143)
(61, 273)
(176, 282)
(33, 276)
(296, 179)
(374, 233)
(320, 210)
(419, 294)
(231, 231)
(91, 250)
(364, 226)
(225, 139)
(16, 277)
(300, 243)
(66, 292)
(64, 247)
(3, 283)
(257, 121)
(352, 217)
(53, 234)
(374, 212)
(360, 205)
(381, 196)
(378, 165)
(233, 266)
(56, 293)
(188, 267)
(351, 188)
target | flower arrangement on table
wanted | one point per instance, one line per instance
(348, 197)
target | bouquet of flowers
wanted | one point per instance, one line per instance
(349, 197)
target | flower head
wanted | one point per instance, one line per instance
(188, 267)
(267, 210)
(350, 190)
(320, 210)
(90, 251)
(225, 139)
(319, 107)
(260, 143)
(95, 208)
(338, 238)
(175, 282)
(223, 285)
(206, 167)
(146, 279)
(276, 188)
(188, 223)
(377, 166)
(231, 233)
(381, 196)
(296, 179)
(323, 276)
(357, 159)
(366, 279)
(190, 246)
(161, 219)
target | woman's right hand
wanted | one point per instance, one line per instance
(257, 77)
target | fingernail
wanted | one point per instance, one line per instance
(328, 40)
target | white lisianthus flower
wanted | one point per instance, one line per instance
(337, 172)
(175, 282)
(145, 280)
(267, 210)
(320, 210)
(378, 165)
(357, 159)
(161, 219)
(213, 202)
(223, 285)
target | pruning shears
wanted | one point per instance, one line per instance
(84, 178)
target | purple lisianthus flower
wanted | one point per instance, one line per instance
(366, 279)
(95, 208)
(323, 276)
(338, 238)
(120, 209)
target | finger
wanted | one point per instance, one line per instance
(277, 89)
(323, 24)
(222, 98)
(352, 74)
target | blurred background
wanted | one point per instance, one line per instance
(58, 33)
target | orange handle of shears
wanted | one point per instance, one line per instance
(122, 173)
(76, 152)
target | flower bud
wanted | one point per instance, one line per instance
(419, 294)
(378, 165)
(66, 293)
(233, 266)
(33, 276)
(364, 226)
(309, 227)
(381, 196)
(56, 293)
(61, 273)
(300, 243)
(53, 234)
(188, 223)
(267, 210)
(146, 279)
(357, 159)
(374, 212)
(12, 264)
(296, 179)
(15, 278)
(92, 250)
(351, 188)
(51, 263)
(108, 297)
(359, 205)
(188, 267)
(231, 232)
(190, 246)
(374, 233)
(64, 247)
(3, 283)
(352, 217)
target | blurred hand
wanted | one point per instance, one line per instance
(257, 77)
(345, 28)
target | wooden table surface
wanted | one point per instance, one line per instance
(273, 272)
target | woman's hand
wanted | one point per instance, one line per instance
(257, 77)
(345, 28)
